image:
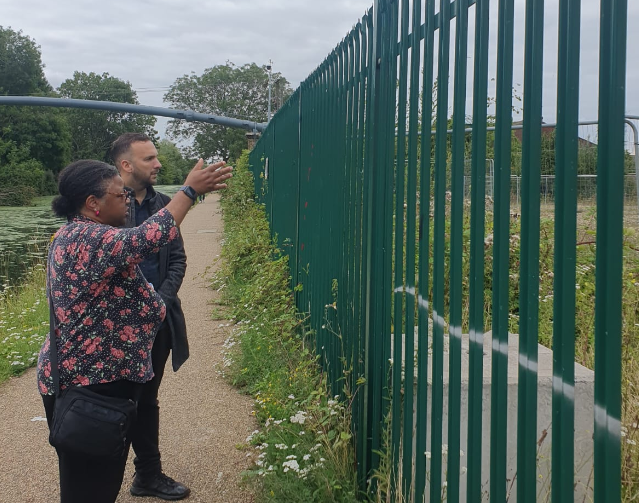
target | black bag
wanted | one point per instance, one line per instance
(90, 424)
(85, 422)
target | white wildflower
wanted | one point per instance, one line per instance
(291, 465)
(299, 418)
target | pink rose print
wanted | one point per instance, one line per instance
(58, 255)
(151, 233)
(118, 353)
(127, 334)
(117, 249)
(109, 235)
(119, 292)
(69, 364)
(80, 308)
(61, 315)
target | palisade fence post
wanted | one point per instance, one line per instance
(609, 260)
(456, 253)
(477, 259)
(499, 366)
(398, 273)
(529, 258)
(424, 253)
(367, 149)
(376, 301)
(439, 232)
(360, 415)
(565, 258)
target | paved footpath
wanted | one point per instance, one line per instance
(203, 418)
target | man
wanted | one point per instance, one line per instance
(136, 158)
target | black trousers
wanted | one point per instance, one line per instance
(145, 433)
(85, 479)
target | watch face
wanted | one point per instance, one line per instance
(189, 192)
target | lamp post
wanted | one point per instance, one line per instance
(269, 67)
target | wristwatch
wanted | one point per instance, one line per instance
(188, 190)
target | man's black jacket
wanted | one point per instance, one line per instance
(172, 264)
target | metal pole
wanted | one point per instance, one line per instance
(269, 68)
(111, 106)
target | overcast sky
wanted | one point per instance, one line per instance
(151, 43)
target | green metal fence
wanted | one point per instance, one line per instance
(393, 269)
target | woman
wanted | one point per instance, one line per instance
(106, 313)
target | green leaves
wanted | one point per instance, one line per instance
(21, 68)
(232, 91)
(34, 142)
(93, 131)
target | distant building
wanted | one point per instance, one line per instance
(548, 130)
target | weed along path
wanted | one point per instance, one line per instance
(203, 419)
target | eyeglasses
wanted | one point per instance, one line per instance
(124, 195)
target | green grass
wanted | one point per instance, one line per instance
(302, 451)
(24, 323)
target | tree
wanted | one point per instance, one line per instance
(35, 142)
(21, 177)
(43, 131)
(232, 91)
(174, 166)
(93, 131)
(21, 68)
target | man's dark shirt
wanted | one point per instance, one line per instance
(150, 266)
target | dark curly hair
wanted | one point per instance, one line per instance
(79, 180)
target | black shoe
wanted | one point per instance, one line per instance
(161, 486)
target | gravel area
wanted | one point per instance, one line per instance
(203, 419)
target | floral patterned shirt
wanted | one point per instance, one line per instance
(106, 313)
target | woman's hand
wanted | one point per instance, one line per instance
(209, 178)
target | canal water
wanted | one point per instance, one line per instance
(25, 232)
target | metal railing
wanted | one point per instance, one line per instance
(379, 251)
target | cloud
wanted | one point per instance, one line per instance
(151, 43)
